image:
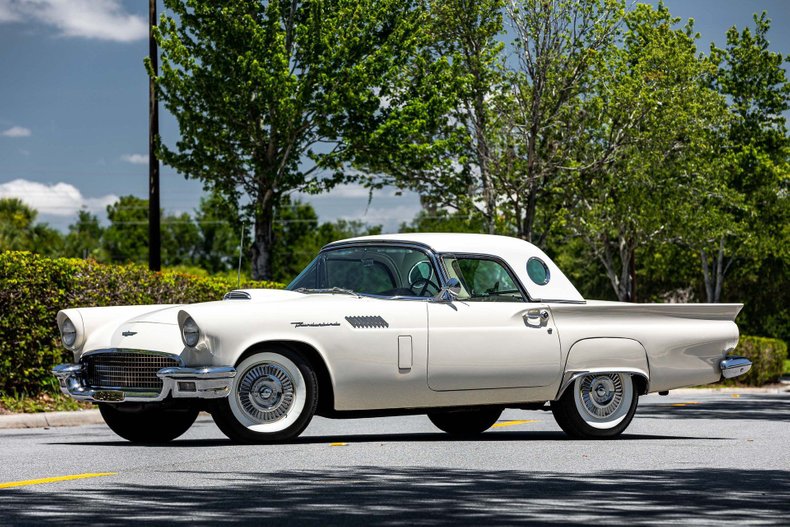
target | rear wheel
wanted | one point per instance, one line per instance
(150, 424)
(597, 406)
(273, 398)
(465, 422)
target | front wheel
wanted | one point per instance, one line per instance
(465, 422)
(273, 398)
(150, 424)
(597, 406)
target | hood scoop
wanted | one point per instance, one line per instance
(237, 295)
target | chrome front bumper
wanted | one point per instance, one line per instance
(181, 383)
(733, 366)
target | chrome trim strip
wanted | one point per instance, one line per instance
(733, 366)
(136, 351)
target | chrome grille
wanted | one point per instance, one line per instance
(127, 370)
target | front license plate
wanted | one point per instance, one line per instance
(108, 395)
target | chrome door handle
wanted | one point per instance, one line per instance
(536, 318)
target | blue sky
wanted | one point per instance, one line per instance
(74, 107)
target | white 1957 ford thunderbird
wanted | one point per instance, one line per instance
(455, 326)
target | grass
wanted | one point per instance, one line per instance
(787, 368)
(45, 402)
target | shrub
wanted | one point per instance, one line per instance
(767, 356)
(34, 288)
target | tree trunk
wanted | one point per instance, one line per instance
(263, 239)
(713, 273)
(632, 277)
(483, 156)
(706, 275)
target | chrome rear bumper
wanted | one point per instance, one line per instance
(733, 366)
(181, 383)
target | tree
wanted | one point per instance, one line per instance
(300, 237)
(757, 146)
(180, 240)
(558, 45)
(657, 118)
(220, 234)
(20, 232)
(84, 237)
(272, 97)
(126, 238)
(441, 139)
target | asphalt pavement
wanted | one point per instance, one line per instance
(688, 459)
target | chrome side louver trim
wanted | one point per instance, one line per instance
(367, 322)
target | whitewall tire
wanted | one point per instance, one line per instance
(597, 405)
(273, 398)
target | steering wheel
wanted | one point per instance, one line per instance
(424, 282)
(420, 275)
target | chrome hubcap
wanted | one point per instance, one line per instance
(266, 392)
(601, 394)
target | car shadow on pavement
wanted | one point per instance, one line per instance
(491, 436)
(382, 495)
(762, 407)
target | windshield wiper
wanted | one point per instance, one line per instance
(339, 290)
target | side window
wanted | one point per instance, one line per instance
(483, 280)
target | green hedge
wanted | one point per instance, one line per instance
(767, 356)
(34, 288)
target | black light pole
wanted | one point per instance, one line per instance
(154, 230)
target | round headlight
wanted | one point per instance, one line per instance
(190, 332)
(68, 333)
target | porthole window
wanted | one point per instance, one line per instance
(538, 271)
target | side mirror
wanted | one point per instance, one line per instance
(449, 292)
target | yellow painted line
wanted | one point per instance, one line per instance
(54, 480)
(735, 395)
(513, 423)
(338, 444)
(687, 404)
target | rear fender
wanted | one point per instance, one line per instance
(606, 355)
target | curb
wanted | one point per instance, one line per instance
(56, 419)
(774, 389)
(50, 419)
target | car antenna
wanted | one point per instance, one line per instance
(241, 245)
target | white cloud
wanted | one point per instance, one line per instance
(135, 159)
(92, 19)
(60, 199)
(351, 191)
(7, 13)
(389, 217)
(17, 131)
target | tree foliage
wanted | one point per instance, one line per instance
(19, 230)
(271, 97)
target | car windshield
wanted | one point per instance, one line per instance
(370, 270)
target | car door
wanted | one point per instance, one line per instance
(490, 336)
